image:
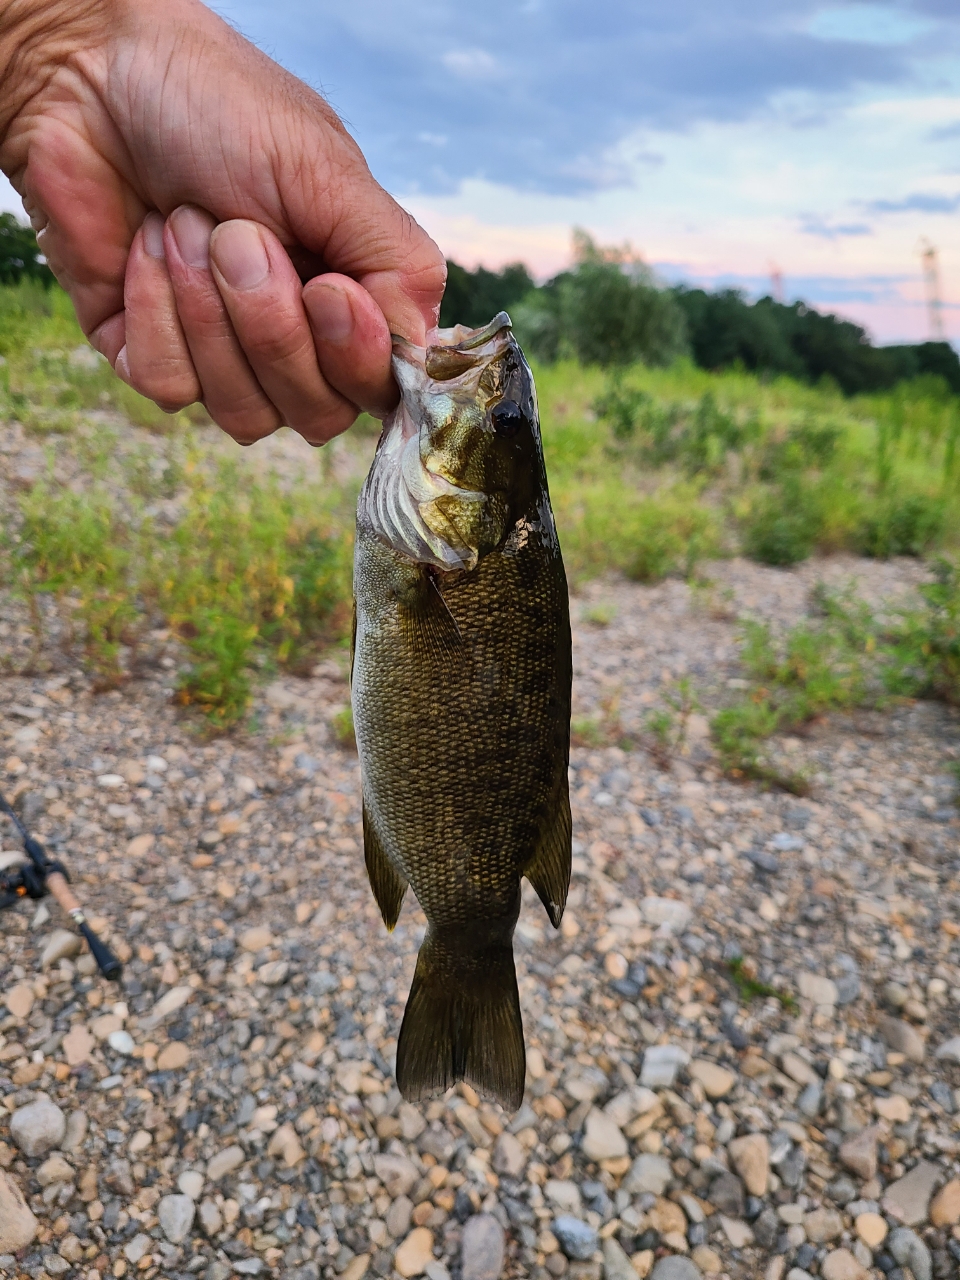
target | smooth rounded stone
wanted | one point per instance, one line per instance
(707, 1260)
(945, 1206)
(578, 1239)
(895, 1109)
(397, 1173)
(661, 1062)
(726, 1195)
(950, 1050)
(61, 945)
(183, 890)
(717, 1081)
(210, 1217)
(18, 1226)
(766, 1228)
(224, 1162)
(175, 1214)
(55, 1169)
(871, 1228)
(798, 1273)
(121, 1042)
(137, 1248)
(37, 1127)
(170, 1002)
(482, 1248)
(842, 1265)
(908, 1199)
(564, 1193)
(416, 1251)
(602, 1139)
(818, 989)
(398, 1217)
(357, 1267)
(76, 1131)
(901, 1037)
(750, 1156)
(666, 912)
(77, 1045)
(648, 1173)
(174, 1056)
(674, 1267)
(616, 1264)
(798, 1069)
(858, 1153)
(822, 1225)
(509, 1156)
(842, 1190)
(910, 1251)
(19, 999)
(256, 939)
(190, 1183)
(848, 988)
(737, 1231)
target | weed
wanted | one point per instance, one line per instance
(341, 722)
(599, 615)
(924, 646)
(749, 987)
(666, 729)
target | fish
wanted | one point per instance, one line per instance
(460, 688)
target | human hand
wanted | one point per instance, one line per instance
(168, 167)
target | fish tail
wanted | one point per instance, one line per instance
(462, 1020)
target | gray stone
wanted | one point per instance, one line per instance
(602, 1139)
(901, 1037)
(61, 945)
(648, 1173)
(37, 1127)
(675, 1268)
(509, 1156)
(176, 1217)
(18, 1226)
(811, 1099)
(818, 989)
(578, 1239)
(726, 1195)
(181, 891)
(848, 988)
(616, 1264)
(858, 1153)
(908, 1199)
(909, 1250)
(950, 1050)
(190, 1183)
(766, 1228)
(397, 1173)
(482, 1248)
(398, 1216)
(249, 1266)
(661, 1062)
(224, 1162)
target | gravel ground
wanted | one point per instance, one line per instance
(230, 1109)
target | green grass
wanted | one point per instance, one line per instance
(749, 988)
(652, 471)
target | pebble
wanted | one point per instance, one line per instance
(717, 1081)
(666, 912)
(908, 1198)
(602, 1139)
(416, 1251)
(815, 987)
(750, 1156)
(61, 945)
(822, 1225)
(577, 1238)
(675, 1268)
(18, 1226)
(737, 1231)
(895, 1108)
(661, 1062)
(78, 1044)
(224, 1162)
(190, 1183)
(55, 1169)
(173, 1056)
(509, 1156)
(175, 1214)
(121, 1042)
(901, 1037)
(950, 1050)
(616, 1264)
(858, 1153)
(482, 1248)
(909, 1250)
(871, 1228)
(19, 1000)
(842, 1265)
(648, 1173)
(37, 1127)
(945, 1206)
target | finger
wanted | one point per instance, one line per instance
(352, 341)
(155, 359)
(262, 294)
(233, 396)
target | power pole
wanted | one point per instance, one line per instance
(931, 277)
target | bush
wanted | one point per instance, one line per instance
(902, 527)
(781, 526)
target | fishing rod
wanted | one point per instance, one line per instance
(41, 875)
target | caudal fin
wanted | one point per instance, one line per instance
(462, 1022)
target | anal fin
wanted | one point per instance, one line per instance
(549, 869)
(387, 883)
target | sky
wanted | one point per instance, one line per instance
(725, 141)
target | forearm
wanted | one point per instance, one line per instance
(39, 36)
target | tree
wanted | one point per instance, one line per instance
(19, 253)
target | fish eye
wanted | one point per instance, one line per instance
(507, 418)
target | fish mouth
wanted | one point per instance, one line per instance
(400, 500)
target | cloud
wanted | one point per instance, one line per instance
(813, 226)
(918, 202)
(539, 96)
(945, 132)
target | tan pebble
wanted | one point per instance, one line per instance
(356, 1267)
(140, 1141)
(751, 1159)
(18, 1226)
(173, 1056)
(77, 1045)
(104, 1026)
(872, 1229)
(19, 1000)
(708, 1261)
(615, 964)
(642, 1262)
(416, 1251)
(256, 939)
(945, 1209)
(717, 1081)
(896, 1109)
(140, 845)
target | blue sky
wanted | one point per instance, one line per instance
(724, 139)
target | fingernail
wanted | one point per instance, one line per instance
(153, 235)
(238, 254)
(122, 366)
(331, 313)
(191, 229)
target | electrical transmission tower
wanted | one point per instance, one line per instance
(931, 277)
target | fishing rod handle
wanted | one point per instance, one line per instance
(107, 962)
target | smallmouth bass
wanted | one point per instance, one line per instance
(461, 696)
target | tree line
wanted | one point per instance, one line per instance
(609, 310)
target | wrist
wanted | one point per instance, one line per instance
(37, 37)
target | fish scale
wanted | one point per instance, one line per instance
(461, 696)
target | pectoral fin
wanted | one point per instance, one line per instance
(549, 871)
(429, 627)
(387, 883)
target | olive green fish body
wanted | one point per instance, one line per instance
(461, 696)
